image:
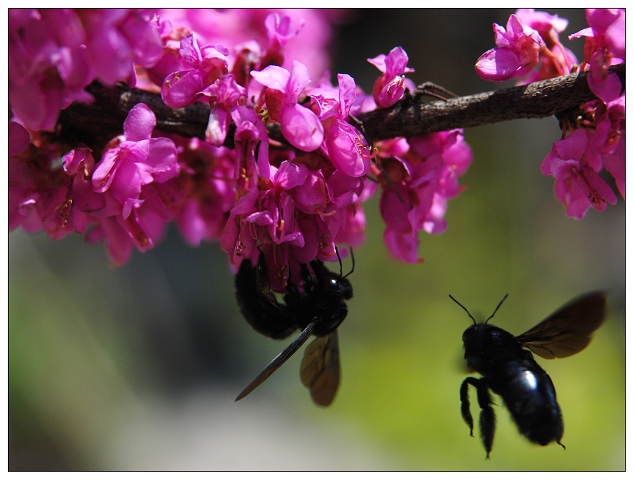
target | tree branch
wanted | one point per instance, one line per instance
(102, 119)
(411, 117)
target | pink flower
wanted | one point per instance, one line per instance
(605, 46)
(19, 139)
(22, 189)
(344, 145)
(84, 203)
(555, 59)
(208, 64)
(203, 194)
(224, 95)
(48, 65)
(138, 160)
(267, 216)
(415, 189)
(299, 125)
(517, 52)
(251, 141)
(141, 229)
(578, 185)
(278, 30)
(116, 40)
(390, 87)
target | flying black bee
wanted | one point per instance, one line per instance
(318, 309)
(510, 371)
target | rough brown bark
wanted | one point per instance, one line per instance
(413, 115)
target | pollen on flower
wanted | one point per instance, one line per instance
(142, 239)
(64, 211)
(239, 248)
(398, 82)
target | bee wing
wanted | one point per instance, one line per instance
(569, 329)
(279, 360)
(319, 370)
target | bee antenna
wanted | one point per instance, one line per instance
(353, 262)
(497, 308)
(340, 263)
(465, 309)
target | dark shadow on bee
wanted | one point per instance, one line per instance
(509, 369)
(317, 308)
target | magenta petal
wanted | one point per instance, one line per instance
(395, 206)
(608, 90)
(403, 247)
(37, 106)
(19, 139)
(110, 55)
(217, 126)
(345, 149)
(314, 196)
(298, 80)
(615, 36)
(347, 93)
(601, 18)
(498, 65)
(180, 88)
(396, 62)
(162, 159)
(127, 182)
(139, 124)
(144, 39)
(189, 51)
(106, 169)
(290, 175)
(615, 164)
(75, 159)
(301, 127)
(273, 77)
(572, 147)
(378, 62)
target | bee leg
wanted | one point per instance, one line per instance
(465, 405)
(487, 415)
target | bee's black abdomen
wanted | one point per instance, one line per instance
(258, 303)
(529, 394)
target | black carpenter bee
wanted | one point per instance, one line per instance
(317, 309)
(509, 370)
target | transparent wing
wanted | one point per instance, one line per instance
(278, 361)
(319, 370)
(568, 330)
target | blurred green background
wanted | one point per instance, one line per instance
(137, 368)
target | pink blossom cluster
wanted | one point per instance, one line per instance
(295, 201)
(594, 139)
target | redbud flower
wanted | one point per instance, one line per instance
(415, 189)
(203, 194)
(251, 141)
(116, 40)
(605, 46)
(224, 94)
(278, 30)
(299, 125)
(138, 160)
(48, 64)
(390, 87)
(517, 52)
(209, 64)
(344, 144)
(575, 168)
(555, 59)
